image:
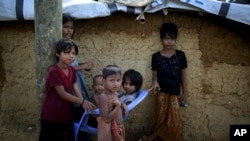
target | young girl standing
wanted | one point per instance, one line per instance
(169, 73)
(68, 32)
(56, 113)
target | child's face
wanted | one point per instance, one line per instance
(98, 85)
(67, 57)
(168, 42)
(68, 30)
(128, 87)
(113, 82)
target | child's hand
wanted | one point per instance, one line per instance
(88, 106)
(183, 100)
(125, 108)
(87, 65)
(155, 86)
(115, 102)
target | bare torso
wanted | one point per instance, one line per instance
(107, 110)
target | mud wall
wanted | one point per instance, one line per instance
(217, 50)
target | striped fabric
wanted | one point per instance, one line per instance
(87, 9)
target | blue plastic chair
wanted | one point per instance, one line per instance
(83, 126)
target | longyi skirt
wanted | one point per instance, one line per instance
(166, 126)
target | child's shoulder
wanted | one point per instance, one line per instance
(179, 51)
(56, 67)
(156, 53)
(110, 95)
(53, 67)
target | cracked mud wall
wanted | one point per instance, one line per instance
(18, 95)
(217, 50)
(2, 76)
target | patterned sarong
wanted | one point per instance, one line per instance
(118, 131)
(167, 121)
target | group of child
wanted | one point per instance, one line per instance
(62, 89)
(110, 103)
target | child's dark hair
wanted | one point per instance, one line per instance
(110, 70)
(65, 45)
(95, 77)
(169, 29)
(135, 78)
(68, 18)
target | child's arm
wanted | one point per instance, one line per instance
(115, 107)
(80, 100)
(86, 104)
(85, 66)
(154, 81)
(125, 108)
(104, 105)
(128, 102)
(184, 85)
(77, 90)
(93, 99)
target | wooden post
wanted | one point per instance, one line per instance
(48, 30)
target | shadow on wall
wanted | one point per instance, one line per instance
(228, 38)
